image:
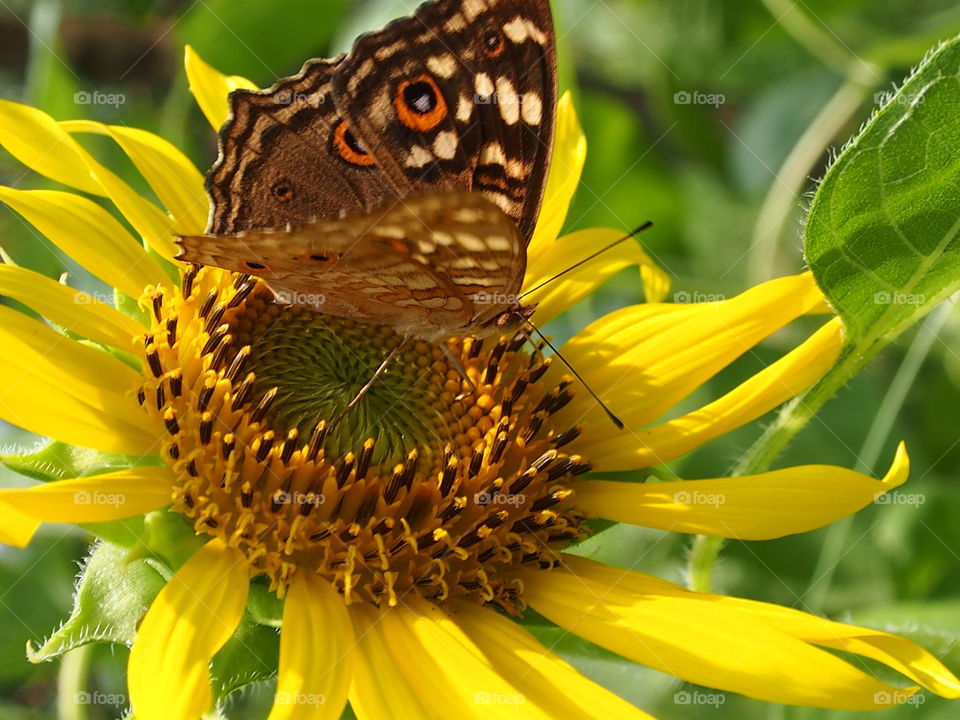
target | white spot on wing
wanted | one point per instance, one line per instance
(443, 65)
(483, 85)
(464, 108)
(419, 156)
(445, 145)
(508, 101)
(532, 108)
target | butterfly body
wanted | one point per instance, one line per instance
(414, 165)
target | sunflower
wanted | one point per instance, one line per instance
(404, 540)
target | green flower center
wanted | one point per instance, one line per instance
(319, 363)
(432, 484)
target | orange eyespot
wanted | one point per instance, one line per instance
(282, 191)
(494, 44)
(420, 104)
(349, 148)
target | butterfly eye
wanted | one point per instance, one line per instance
(282, 191)
(420, 104)
(349, 147)
(494, 44)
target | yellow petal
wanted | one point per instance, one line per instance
(316, 652)
(89, 234)
(98, 498)
(769, 388)
(566, 291)
(700, 638)
(446, 670)
(544, 679)
(898, 653)
(566, 165)
(644, 359)
(753, 507)
(379, 684)
(189, 621)
(169, 172)
(34, 139)
(60, 388)
(210, 87)
(72, 309)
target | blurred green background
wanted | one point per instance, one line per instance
(707, 117)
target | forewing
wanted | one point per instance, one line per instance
(416, 263)
(284, 158)
(462, 94)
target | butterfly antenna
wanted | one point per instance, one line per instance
(632, 233)
(616, 421)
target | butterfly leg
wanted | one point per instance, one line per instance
(455, 361)
(370, 383)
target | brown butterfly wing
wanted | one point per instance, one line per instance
(461, 94)
(417, 264)
(286, 155)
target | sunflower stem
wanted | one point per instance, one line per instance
(72, 684)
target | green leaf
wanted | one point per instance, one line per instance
(112, 595)
(251, 655)
(264, 606)
(53, 460)
(883, 233)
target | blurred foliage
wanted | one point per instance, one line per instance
(772, 88)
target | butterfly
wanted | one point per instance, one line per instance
(398, 183)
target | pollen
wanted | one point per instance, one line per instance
(433, 483)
